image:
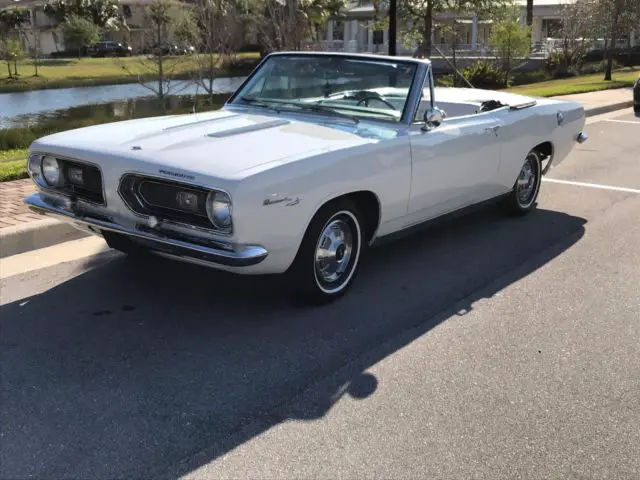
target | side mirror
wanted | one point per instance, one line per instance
(433, 117)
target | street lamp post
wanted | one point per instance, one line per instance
(392, 27)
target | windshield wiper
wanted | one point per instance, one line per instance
(319, 108)
(326, 109)
(259, 103)
(302, 106)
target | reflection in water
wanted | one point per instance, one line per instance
(113, 111)
(38, 101)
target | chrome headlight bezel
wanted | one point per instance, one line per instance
(58, 179)
(220, 211)
(34, 168)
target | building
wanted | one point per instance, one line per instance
(40, 31)
(353, 31)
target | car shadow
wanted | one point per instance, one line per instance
(152, 368)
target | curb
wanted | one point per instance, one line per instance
(47, 232)
(35, 235)
(591, 112)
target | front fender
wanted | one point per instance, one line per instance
(274, 207)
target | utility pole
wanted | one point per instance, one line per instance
(392, 26)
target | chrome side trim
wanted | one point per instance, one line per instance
(240, 256)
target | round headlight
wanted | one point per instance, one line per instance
(51, 171)
(219, 210)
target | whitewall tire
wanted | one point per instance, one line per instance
(330, 253)
(526, 188)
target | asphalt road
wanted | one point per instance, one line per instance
(489, 347)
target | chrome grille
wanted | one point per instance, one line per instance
(166, 199)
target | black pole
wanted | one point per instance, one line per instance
(392, 27)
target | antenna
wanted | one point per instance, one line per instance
(453, 67)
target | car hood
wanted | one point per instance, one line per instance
(221, 143)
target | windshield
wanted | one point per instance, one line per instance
(345, 86)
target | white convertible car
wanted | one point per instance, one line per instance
(313, 159)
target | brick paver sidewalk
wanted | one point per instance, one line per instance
(13, 211)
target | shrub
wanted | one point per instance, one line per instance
(595, 55)
(444, 80)
(597, 67)
(563, 64)
(484, 74)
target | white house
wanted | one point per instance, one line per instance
(354, 31)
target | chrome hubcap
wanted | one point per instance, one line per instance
(333, 251)
(526, 184)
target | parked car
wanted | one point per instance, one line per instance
(313, 160)
(636, 96)
(110, 49)
(170, 49)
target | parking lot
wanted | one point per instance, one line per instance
(488, 347)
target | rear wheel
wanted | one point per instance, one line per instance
(330, 253)
(522, 198)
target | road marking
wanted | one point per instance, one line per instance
(622, 121)
(50, 256)
(592, 185)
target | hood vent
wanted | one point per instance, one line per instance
(249, 128)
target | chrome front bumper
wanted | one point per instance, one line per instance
(231, 256)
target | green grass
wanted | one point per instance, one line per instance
(70, 72)
(13, 164)
(624, 77)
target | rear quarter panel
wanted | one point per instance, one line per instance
(522, 130)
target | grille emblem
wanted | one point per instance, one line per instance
(187, 200)
(75, 176)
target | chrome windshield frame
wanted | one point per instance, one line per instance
(412, 102)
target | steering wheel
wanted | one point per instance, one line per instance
(364, 96)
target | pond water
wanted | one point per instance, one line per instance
(113, 111)
(14, 107)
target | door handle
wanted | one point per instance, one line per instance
(493, 130)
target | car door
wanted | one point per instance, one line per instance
(454, 164)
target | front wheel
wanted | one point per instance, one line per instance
(329, 254)
(522, 198)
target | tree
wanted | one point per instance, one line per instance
(79, 33)
(11, 22)
(158, 70)
(103, 13)
(219, 28)
(510, 39)
(618, 17)
(12, 51)
(578, 24)
(284, 24)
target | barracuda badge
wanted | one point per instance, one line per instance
(288, 202)
(176, 174)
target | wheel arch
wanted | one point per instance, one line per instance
(546, 150)
(366, 201)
